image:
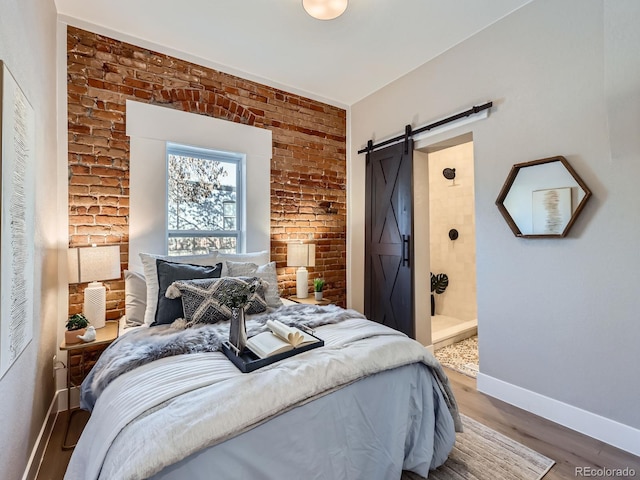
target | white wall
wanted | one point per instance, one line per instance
(150, 128)
(28, 47)
(556, 317)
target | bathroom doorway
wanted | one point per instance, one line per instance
(452, 249)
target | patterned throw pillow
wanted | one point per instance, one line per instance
(201, 298)
(265, 272)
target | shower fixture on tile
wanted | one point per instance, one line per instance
(449, 173)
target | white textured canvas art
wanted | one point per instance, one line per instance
(17, 130)
(551, 210)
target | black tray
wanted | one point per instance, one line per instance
(247, 361)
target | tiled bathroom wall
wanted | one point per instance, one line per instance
(452, 207)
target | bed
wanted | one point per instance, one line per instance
(368, 404)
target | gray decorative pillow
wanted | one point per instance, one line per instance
(266, 272)
(259, 258)
(201, 299)
(151, 276)
(169, 310)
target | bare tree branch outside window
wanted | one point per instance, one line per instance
(202, 198)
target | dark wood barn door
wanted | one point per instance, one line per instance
(389, 297)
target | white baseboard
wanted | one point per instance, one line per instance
(609, 431)
(58, 404)
(37, 453)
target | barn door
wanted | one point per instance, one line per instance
(389, 297)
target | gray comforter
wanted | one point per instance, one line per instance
(190, 403)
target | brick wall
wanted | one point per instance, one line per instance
(308, 168)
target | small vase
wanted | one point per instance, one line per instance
(318, 296)
(238, 329)
(71, 336)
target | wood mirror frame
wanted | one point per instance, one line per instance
(580, 197)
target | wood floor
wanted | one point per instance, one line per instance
(568, 448)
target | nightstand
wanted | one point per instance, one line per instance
(80, 359)
(310, 300)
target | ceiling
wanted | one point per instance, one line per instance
(275, 42)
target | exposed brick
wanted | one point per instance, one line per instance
(75, 148)
(80, 219)
(112, 77)
(84, 180)
(308, 162)
(111, 220)
(98, 189)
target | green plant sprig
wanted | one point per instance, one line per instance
(238, 294)
(76, 322)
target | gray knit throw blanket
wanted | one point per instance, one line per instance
(144, 345)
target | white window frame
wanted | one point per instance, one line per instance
(215, 155)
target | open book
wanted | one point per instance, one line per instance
(281, 338)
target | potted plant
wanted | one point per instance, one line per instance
(76, 325)
(439, 284)
(318, 286)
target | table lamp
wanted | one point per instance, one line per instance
(301, 255)
(94, 264)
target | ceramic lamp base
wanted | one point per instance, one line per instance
(302, 283)
(95, 300)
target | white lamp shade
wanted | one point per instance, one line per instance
(301, 255)
(91, 264)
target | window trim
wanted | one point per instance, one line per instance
(150, 127)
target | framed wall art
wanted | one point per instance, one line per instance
(551, 210)
(17, 244)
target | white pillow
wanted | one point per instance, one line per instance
(135, 298)
(265, 272)
(151, 276)
(259, 258)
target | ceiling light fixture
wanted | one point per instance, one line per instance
(325, 9)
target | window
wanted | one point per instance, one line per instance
(204, 200)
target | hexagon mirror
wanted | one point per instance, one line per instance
(542, 198)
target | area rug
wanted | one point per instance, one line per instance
(481, 453)
(461, 357)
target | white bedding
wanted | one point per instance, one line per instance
(162, 412)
